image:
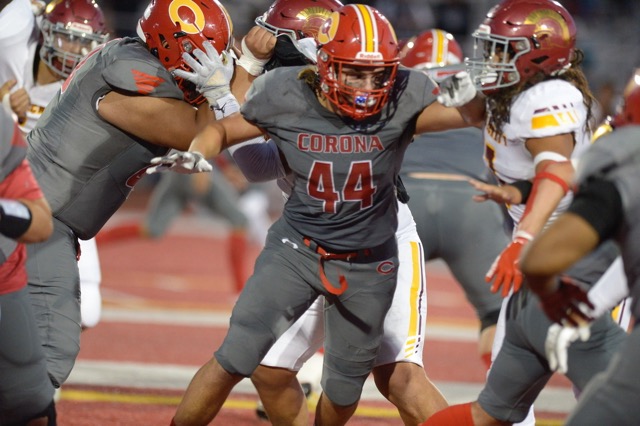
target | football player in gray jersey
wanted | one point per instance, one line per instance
(119, 108)
(435, 171)
(342, 130)
(26, 393)
(398, 370)
(606, 206)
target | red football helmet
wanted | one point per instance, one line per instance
(70, 30)
(172, 27)
(357, 36)
(520, 38)
(297, 18)
(629, 111)
(431, 50)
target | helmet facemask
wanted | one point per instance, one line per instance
(69, 32)
(494, 60)
(341, 84)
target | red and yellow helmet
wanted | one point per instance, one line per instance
(173, 27)
(357, 36)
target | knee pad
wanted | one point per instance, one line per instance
(342, 379)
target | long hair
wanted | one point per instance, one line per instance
(310, 76)
(500, 102)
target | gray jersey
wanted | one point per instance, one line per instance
(344, 176)
(85, 166)
(616, 157)
(455, 151)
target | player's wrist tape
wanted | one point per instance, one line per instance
(15, 218)
(523, 235)
(524, 186)
(250, 63)
(227, 105)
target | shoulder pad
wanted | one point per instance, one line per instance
(133, 69)
(549, 108)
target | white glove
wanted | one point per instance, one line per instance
(212, 72)
(456, 90)
(180, 162)
(556, 346)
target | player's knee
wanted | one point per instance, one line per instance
(343, 379)
(343, 390)
(269, 378)
(240, 355)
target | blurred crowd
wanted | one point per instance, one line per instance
(607, 29)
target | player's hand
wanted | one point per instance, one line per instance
(456, 90)
(212, 71)
(568, 305)
(504, 194)
(557, 343)
(256, 49)
(15, 102)
(505, 271)
(180, 162)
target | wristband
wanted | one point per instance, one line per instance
(523, 235)
(15, 218)
(524, 186)
(226, 105)
(250, 63)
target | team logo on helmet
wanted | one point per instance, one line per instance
(548, 22)
(313, 18)
(328, 31)
(188, 14)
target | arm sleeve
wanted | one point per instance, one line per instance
(259, 160)
(598, 202)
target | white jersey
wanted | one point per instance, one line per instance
(17, 31)
(549, 108)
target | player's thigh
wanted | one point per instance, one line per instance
(304, 338)
(25, 388)
(612, 397)
(516, 377)
(273, 299)
(405, 322)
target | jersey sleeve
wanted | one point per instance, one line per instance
(273, 95)
(21, 184)
(137, 71)
(549, 108)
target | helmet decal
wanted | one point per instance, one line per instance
(313, 18)
(327, 32)
(190, 23)
(548, 22)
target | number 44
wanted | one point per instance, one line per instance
(358, 186)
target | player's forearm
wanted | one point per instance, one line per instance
(556, 249)
(40, 224)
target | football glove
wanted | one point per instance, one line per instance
(456, 90)
(556, 345)
(212, 72)
(568, 305)
(180, 162)
(505, 270)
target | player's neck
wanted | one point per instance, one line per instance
(45, 75)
